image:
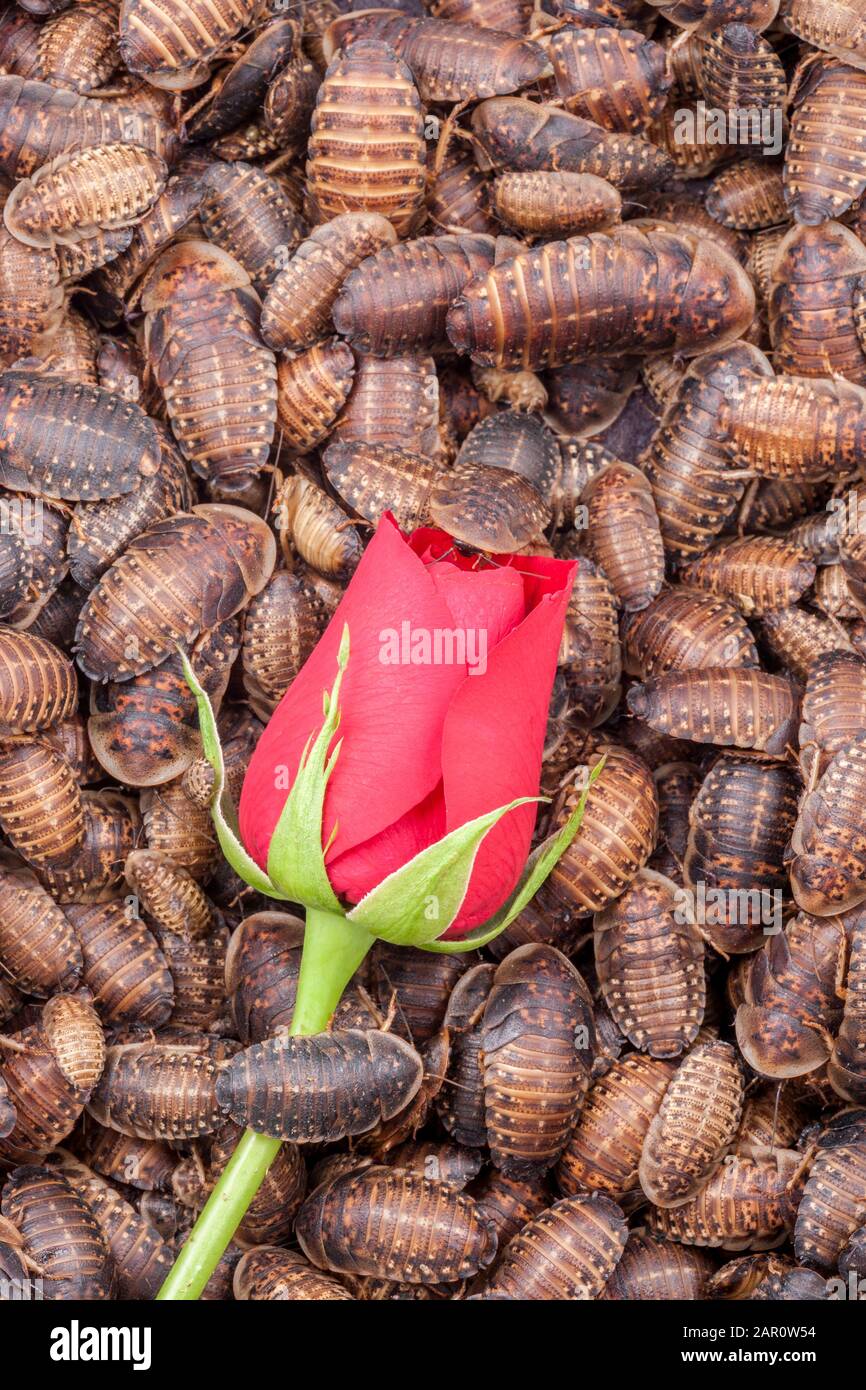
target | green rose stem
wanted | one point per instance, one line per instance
(333, 950)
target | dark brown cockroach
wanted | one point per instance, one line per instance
(140, 1255)
(39, 952)
(739, 825)
(290, 101)
(59, 1234)
(616, 836)
(312, 389)
(759, 573)
(144, 731)
(794, 427)
(853, 1257)
(197, 966)
(395, 1225)
(174, 47)
(827, 856)
(738, 708)
(537, 1041)
(526, 312)
(441, 1161)
(590, 651)
(157, 1091)
(281, 627)
(246, 212)
(741, 70)
(78, 49)
(846, 1068)
(772, 505)
(116, 282)
(519, 136)
(262, 973)
(687, 214)
(61, 439)
(19, 43)
(649, 958)
(32, 302)
(826, 97)
(145, 1165)
(583, 398)
(617, 78)
(488, 509)
(381, 1141)
(95, 872)
(271, 1273)
(522, 444)
(238, 92)
(833, 709)
(509, 1202)
(458, 198)
(815, 276)
(393, 401)
(311, 523)
(123, 966)
(548, 204)
(523, 391)
(748, 1203)
(271, 1214)
(449, 62)
(179, 826)
(41, 809)
(396, 301)
(218, 378)
(760, 262)
(70, 353)
(38, 686)
(623, 534)
(415, 986)
(686, 145)
(508, 16)
(655, 1270)
(791, 1004)
(834, 1198)
(40, 122)
(677, 785)
(567, 1252)
(166, 577)
(683, 630)
(80, 193)
(701, 17)
(604, 1149)
(366, 146)
(748, 196)
(297, 309)
(460, 1102)
(69, 737)
(170, 896)
(50, 1078)
(78, 260)
(694, 1126)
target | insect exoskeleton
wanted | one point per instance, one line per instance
(617, 78)
(247, 213)
(567, 1252)
(835, 1194)
(317, 527)
(271, 1273)
(153, 1090)
(395, 402)
(281, 627)
(418, 985)
(748, 195)
(590, 652)
(836, 26)
(169, 895)
(603, 1152)
(542, 203)
(656, 1270)
(682, 629)
(825, 99)
(80, 193)
(123, 966)
(747, 1203)
(827, 857)
(520, 443)
(39, 952)
(623, 534)
(740, 707)
(759, 573)
(141, 1256)
(60, 1235)
(742, 71)
(833, 709)
(312, 389)
(241, 88)
(460, 1103)
(814, 280)
(41, 808)
(795, 427)
(846, 1068)
(173, 45)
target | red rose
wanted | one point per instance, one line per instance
(443, 714)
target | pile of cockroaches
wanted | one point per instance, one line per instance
(266, 271)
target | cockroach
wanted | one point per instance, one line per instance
(290, 101)
(761, 260)
(681, 630)
(416, 985)
(617, 78)
(623, 534)
(508, 16)
(397, 299)
(537, 1041)
(366, 147)
(93, 873)
(832, 594)
(590, 650)
(41, 809)
(458, 198)
(78, 49)
(535, 299)
(543, 203)
(748, 196)
(140, 1255)
(814, 279)
(312, 389)
(80, 193)
(771, 1119)
(393, 402)
(604, 1149)
(654, 1270)
(38, 686)
(583, 398)
(123, 966)
(116, 282)
(69, 737)
(39, 952)
(317, 527)
(741, 70)
(836, 26)
(846, 1067)
(825, 103)
(686, 144)
(460, 1103)
(834, 1197)
(77, 260)
(10, 1001)
(157, 1091)
(168, 894)
(443, 1162)
(59, 1234)
(262, 973)
(164, 576)
(31, 297)
(677, 785)
(833, 709)
(488, 509)
(853, 1257)
(747, 1203)
(179, 826)
(794, 427)
(143, 1165)
(281, 627)
(509, 1202)
(759, 573)
(738, 708)
(239, 90)
(174, 48)
(197, 966)
(396, 1225)
(522, 444)
(70, 353)
(694, 1126)
(271, 1214)
(567, 1252)
(700, 17)
(246, 212)
(19, 43)
(271, 1273)
(827, 856)
(650, 963)
(50, 1079)
(297, 308)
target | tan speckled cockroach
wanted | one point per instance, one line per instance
(526, 312)
(180, 826)
(681, 630)
(537, 1041)
(761, 259)
(247, 213)
(393, 402)
(617, 78)
(516, 135)
(604, 1149)
(311, 523)
(51, 1075)
(791, 1004)
(509, 1202)
(237, 93)
(312, 389)
(168, 894)
(32, 302)
(80, 193)
(795, 427)
(271, 1214)
(297, 308)
(458, 197)
(321, 1088)
(115, 284)
(460, 1102)
(748, 196)
(262, 973)
(290, 100)
(832, 594)
(41, 809)
(38, 685)
(846, 1068)
(772, 1118)
(522, 444)
(748, 1203)
(508, 16)
(366, 146)
(198, 966)
(694, 1126)
(826, 97)
(92, 253)
(836, 26)
(853, 1257)
(758, 573)
(590, 650)
(173, 45)
(39, 952)
(78, 49)
(567, 1252)
(656, 1270)
(59, 1235)
(488, 509)
(93, 873)
(165, 575)
(834, 1198)
(815, 275)
(687, 214)
(686, 145)
(417, 986)
(281, 627)
(827, 857)
(144, 1165)
(19, 43)
(395, 1225)
(123, 966)
(218, 378)
(542, 203)
(738, 708)
(449, 62)
(70, 353)
(271, 1273)
(798, 637)
(153, 1090)
(442, 1161)
(616, 836)
(64, 440)
(396, 300)
(833, 709)
(741, 71)
(649, 958)
(701, 17)
(623, 534)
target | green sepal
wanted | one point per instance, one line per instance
(397, 908)
(222, 810)
(296, 859)
(539, 865)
